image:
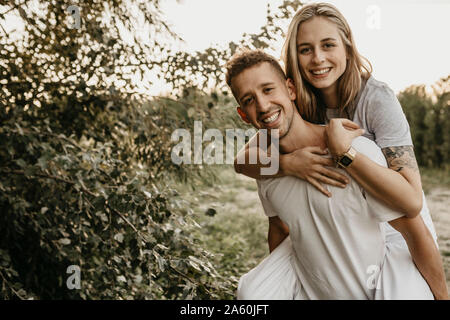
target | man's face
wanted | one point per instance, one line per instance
(265, 99)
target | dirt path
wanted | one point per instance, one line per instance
(438, 201)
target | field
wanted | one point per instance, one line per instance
(234, 226)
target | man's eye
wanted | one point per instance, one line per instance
(246, 101)
(267, 90)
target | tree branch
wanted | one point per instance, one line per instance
(70, 182)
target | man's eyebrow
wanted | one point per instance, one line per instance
(262, 85)
(323, 40)
(270, 83)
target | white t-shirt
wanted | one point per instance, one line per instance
(337, 240)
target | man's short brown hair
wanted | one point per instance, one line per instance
(245, 59)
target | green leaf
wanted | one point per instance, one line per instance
(118, 237)
(21, 163)
(64, 241)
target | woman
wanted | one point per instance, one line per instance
(332, 80)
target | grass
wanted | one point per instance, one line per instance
(432, 178)
(237, 233)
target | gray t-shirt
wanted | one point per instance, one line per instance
(380, 114)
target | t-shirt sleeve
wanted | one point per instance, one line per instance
(386, 119)
(268, 209)
(380, 211)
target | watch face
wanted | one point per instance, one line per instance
(345, 161)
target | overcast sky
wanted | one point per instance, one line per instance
(407, 41)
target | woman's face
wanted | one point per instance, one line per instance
(321, 54)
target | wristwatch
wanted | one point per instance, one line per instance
(344, 160)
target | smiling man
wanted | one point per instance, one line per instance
(321, 248)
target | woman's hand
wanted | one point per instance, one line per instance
(309, 164)
(340, 134)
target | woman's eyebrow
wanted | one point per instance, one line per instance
(303, 44)
(328, 39)
(307, 43)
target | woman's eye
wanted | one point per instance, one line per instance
(304, 50)
(267, 90)
(329, 45)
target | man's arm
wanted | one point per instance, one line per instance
(278, 231)
(424, 252)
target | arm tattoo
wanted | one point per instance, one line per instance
(400, 157)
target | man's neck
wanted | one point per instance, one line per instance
(302, 134)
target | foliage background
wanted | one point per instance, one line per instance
(86, 177)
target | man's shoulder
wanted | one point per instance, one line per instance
(278, 185)
(278, 180)
(370, 149)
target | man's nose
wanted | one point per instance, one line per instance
(262, 104)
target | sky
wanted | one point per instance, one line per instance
(406, 41)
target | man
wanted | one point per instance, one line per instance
(335, 248)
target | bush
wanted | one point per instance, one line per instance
(429, 118)
(86, 177)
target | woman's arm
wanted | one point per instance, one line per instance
(391, 187)
(424, 253)
(306, 164)
(278, 231)
(242, 161)
(398, 186)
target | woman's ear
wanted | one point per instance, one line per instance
(242, 114)
(291, 89)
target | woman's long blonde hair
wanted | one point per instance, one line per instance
(308, 101)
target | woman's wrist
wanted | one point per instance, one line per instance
(339, 150)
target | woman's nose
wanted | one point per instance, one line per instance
(319, 56)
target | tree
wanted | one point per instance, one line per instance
(428, 116)
(86, 178)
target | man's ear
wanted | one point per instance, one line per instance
(242, 114)
(291, 89)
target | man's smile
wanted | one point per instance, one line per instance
(272, 118)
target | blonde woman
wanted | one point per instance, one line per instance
(333, 81)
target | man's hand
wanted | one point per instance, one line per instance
(309, 164)
(340, 134)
